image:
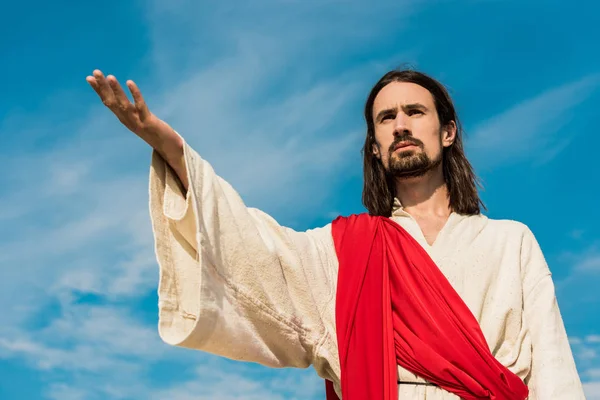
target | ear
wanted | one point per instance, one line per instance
(449, 134)
(375, 150)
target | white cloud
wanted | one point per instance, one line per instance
(576, 292)
(582, 263)
(61, 391)
(592, 390)
(86, 338)
(577, 295)
(576, 234)
(283, 152)
(236, 384)
(300, 36)
(535, 130)
(594, 373)
(586, 351)
(591, 263)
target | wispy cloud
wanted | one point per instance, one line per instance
(576, 292)
(577, 288)
(592, 390)
(585, 261)
(271, 153)
(237, 383)
(534, 130)
(99, 352)
(590, 264)
(86, 337)
(587, 354)
(302, 36)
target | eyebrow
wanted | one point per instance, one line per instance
(406, 108)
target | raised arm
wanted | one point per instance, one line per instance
(233, 282)
(553, 372)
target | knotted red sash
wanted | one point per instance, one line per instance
(395, 307)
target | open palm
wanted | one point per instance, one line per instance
(135, 116)
(138, 119)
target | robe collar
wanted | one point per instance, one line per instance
(396, 207)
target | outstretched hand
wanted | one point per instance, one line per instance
(138, 119)
(135, 116)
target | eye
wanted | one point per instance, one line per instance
(415, 111)
(386, 117)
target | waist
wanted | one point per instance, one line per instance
(403, 382)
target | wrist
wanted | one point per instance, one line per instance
(180, 170)
(172, 152)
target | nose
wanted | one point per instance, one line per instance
(401, 125)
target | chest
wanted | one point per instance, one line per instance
(482, 265)
(430, 227)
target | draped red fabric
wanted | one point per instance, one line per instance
(395, 307)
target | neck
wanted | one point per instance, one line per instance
(424, 195)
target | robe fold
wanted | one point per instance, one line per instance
(395, 307)
(235, 283)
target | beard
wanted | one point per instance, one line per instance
(412, 163)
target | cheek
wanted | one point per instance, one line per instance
(382, 151)
(433, 147)
(432, 140)
(384, 140)
(385, 159)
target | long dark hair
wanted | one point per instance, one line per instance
(379, 187)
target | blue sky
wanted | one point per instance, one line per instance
(271, 94)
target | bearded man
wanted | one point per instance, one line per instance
(422, 297)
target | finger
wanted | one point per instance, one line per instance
(92, 81)
(138, 99)
(94, 84)
(104, 90)
(120, 96)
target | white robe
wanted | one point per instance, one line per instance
(235, 283)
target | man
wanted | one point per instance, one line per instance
(422, 298)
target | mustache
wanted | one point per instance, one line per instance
(406, 139)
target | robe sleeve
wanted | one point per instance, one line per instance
(233, 282)
(553, 372)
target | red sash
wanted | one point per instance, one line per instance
(395, 307)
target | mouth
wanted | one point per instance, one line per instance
(404, 145)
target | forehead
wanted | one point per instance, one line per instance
(400, 93)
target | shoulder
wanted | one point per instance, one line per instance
(519, 243)
(534, 266)
(507, 227)
(497, 232)
(322, 232)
